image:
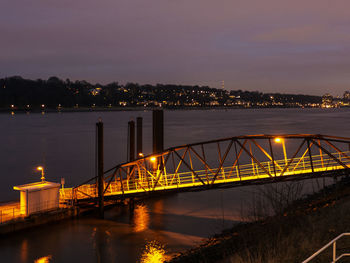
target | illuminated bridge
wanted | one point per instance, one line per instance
(229, 162)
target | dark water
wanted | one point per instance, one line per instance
(64, 144)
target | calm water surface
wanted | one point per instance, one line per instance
(64, 144)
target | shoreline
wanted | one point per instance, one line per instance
(255, 241)
(112, 109)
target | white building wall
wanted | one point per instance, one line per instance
(42, 200)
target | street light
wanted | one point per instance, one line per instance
(281, 140)
(154, 163)
(40, 168)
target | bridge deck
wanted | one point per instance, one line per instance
(144, 181)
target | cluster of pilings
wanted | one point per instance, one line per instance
(157, 139)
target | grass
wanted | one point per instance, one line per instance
(290, 236)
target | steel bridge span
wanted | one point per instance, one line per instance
(227, 162)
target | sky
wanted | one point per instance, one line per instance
(257, 45)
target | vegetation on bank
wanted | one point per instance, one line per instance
(17, 93)
(292, 235)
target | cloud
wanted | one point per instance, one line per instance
(251, 44)
(306, 34)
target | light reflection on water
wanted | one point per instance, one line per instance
(64, 143)
(46, 259)
(141, 218)
(24, 250)
(154, 252)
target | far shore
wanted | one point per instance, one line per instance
(99, 109)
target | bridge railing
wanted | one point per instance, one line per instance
(332, 244)
(159, 180)
(220, 161)
(9, 212)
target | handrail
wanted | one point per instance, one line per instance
(185, 179)
(334, 255)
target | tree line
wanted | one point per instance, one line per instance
(54, 92)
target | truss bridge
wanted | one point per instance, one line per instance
(228, 162)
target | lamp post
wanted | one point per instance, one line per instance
(40, 168)
(281, 140)
(154, 163)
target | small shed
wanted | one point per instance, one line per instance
(38, 197)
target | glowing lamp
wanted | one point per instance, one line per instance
(153, 159)
(40, 168)
(278, 140)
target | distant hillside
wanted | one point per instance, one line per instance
(19, 93)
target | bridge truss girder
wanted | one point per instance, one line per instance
(229, 160)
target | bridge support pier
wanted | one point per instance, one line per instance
(131, 204)
(100, 180)
(138, 137)
(158, 131)
(131, 141)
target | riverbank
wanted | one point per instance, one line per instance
(141, 108)
(38, 219)
(292, 236)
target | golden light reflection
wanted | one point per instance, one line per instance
(46, 259)
(153, 253)
(153, 159)
(24, 250)
(141, 218)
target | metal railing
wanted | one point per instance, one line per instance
(158, 180)
(332, 243)
(13, 211)
(228, 161)
(9, 212)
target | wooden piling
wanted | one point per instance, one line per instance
(100, 180)
(131, 142)
(138, 137)
(158, 131)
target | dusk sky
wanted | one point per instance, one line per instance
(265, 45)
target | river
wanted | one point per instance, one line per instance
(64, 143)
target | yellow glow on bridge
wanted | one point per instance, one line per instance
(239, 160)
(161, 181)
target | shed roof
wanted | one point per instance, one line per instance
(36, 186)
